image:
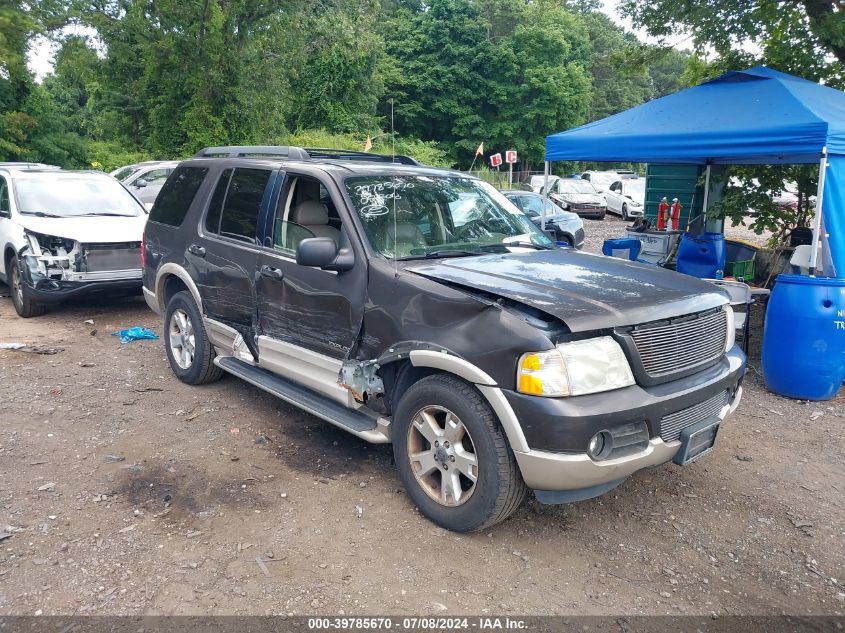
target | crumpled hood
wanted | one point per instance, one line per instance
(587, 292)
(88, 229)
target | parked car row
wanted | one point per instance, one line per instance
(406, 305)
(592, 194)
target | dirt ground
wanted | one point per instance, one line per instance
(127, 492)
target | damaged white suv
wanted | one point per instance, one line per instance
(65, 234)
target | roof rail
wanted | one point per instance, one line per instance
(298, 153)
(250, 151)
(348, 154)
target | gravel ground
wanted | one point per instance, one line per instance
(125, 491)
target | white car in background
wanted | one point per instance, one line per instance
(67, 234)
(601, 180)
(626, 198)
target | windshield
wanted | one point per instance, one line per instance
(634, 188)
(575, 185)
(124, 173)
(74, 195)
(417, 216)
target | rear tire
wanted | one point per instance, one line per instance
(25, 308)
(189, 352)
(470, 479)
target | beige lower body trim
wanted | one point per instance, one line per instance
(152, 301)
(555, 471)
(542, 470)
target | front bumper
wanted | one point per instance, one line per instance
(557, 430)
(58, 291)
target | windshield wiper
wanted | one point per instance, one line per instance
(114, 215)
(42, 214)
(539, 247)
(444, 252)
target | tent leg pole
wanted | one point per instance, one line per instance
(706, 190)
(546, 170)
(817, 220)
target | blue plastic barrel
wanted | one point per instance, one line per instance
(804, 337)
(702, 256)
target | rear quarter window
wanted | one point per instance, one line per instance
(174, 199)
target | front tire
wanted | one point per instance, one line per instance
(189, 352)
(25, 308)
(453, 456)
(625, 215)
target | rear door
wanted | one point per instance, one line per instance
(226, 251)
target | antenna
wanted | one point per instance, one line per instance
(395, 183)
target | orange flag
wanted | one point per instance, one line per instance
(480, 150)
(368, 144)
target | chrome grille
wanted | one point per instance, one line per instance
(672, 425)
(669, 348)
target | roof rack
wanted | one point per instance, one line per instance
(299, 153)
(347, 154)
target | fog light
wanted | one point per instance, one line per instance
(600, 445)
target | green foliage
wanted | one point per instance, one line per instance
(487, 70)
(426, 152)
(109, 155)
(756, 189)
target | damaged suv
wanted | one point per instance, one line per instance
(418, 306)
(65, 234)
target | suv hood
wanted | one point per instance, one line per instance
(89, 229)
(585, 291)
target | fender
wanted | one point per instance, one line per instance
(177, 271)
(484, 383)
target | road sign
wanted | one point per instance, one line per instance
(496, 160)
(510, 156)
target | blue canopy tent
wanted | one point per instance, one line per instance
(757, 116)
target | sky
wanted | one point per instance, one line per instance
(42, 52)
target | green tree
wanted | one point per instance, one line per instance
(497, 71)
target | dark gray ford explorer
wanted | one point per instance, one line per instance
(418, 306)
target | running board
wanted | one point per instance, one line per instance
(369, 428)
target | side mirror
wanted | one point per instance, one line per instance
(322, 252)
(140, 183)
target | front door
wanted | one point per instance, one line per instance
(6, 227)
(308, 318)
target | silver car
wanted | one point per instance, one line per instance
(568, 227)
(144, 180)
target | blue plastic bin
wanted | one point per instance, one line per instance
(804, 337)
(702, 256)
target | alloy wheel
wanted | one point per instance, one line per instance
(181, 338)
(442, 456)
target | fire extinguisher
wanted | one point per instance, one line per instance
(676, 214)
(662, 214)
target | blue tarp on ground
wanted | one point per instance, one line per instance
(757, 116)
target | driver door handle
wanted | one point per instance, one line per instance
(272, 273)
(199, 251)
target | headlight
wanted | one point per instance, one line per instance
(730, 339)
(575, 369)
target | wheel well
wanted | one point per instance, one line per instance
(172, 285)
(7, 257)
(398, 376)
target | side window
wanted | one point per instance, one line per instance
(551, 208)
(239, 217)
(212, 218)
(532, 206)
(617, 187)
(175, 197)
(517, 201)
(156, 176)
(5, 207)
